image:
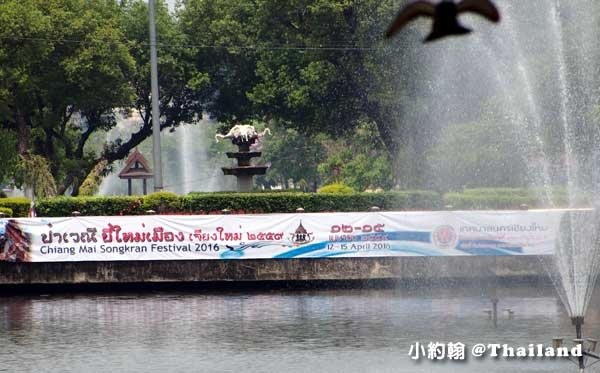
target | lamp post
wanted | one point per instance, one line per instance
(156, 156)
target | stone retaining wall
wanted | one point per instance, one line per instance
(198, 271)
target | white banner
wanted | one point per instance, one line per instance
(279, 236)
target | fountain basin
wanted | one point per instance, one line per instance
(243, 155)
(245, 170)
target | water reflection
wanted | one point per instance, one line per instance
(303, 331)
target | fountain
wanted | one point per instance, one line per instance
(533, 79)
(190, 163)
(243, 136)
(574, 268)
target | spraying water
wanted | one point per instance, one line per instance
(189, 163)
(576, 263)
(535, 79)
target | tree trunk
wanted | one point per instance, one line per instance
(22, 132)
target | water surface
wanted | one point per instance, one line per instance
(366, 330)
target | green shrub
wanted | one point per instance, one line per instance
(211, 203)
(243, 202)
(6, 212)
(90, 206)
(460, 201)
(283, 202)
(162, 202)
(18, 205)
(336, 188)
(507, 198)
(311, 202)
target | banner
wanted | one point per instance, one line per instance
(280, 236)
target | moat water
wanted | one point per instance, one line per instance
(366, 330)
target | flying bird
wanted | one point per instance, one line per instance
(445, 16)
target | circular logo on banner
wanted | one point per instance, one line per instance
(444, 237)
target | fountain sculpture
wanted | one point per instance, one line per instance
(243, 136)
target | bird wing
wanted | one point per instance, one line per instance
(484, 8)
(408, 13)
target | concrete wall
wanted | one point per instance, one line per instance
(198, 271)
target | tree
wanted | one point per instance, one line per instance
(221, 36)
(33, 172)
(313, 65)
(180, 84)
(293, 156)
(361, 162)
(69, 69)
(8, 155)
(475, 155)
(63, 69)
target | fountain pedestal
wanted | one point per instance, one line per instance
(577, 321)
(244, 171)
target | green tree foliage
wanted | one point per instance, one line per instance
(91, 184)
(8, 155)
(223, 35)
(293, 156)
(33, 172)
(474, 155)
(313, 64)
(68, 67)
(63, 69)
(317, 68)
(361, 161)
(181, 84)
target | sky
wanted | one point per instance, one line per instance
(170, 3)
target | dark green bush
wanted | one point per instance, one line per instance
(18, 205)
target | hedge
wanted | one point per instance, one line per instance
(90, 206)
(506, 198)
(6, 212)
(311, 202)
(273, 202)
(214, 203)
(18, 205)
